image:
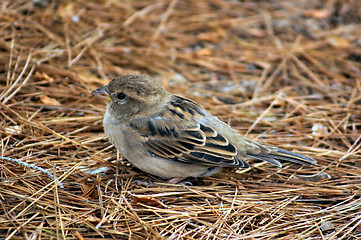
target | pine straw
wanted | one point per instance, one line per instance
(285, 73)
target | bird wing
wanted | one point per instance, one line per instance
(178, 133)
(175, 134)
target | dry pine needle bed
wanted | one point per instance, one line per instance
(286, 73)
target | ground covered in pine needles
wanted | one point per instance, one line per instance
(286, 73)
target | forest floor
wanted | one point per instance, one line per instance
(285, 73)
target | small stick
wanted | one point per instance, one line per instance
(33, 166)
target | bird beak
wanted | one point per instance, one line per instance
(103, 90)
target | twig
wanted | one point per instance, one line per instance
(33, 166)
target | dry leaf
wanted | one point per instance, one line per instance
(66, 12)
(150, 201)
(210, 37)
(204, 52)
(319, 130)
(326, 225)
(318, 177)
(13, 129)
(317, 13)
(49, 101)
(92, 219)
(44, 76)
(256, 32)
(338, 42)
(90, 190)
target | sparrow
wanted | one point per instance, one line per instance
(173, 137)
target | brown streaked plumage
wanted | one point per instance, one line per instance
(171, 136)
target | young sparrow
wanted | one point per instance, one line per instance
(173, 137)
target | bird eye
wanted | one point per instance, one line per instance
(121, 96)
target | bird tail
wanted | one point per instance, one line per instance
(283, 155)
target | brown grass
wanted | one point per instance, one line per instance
(287, 73)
